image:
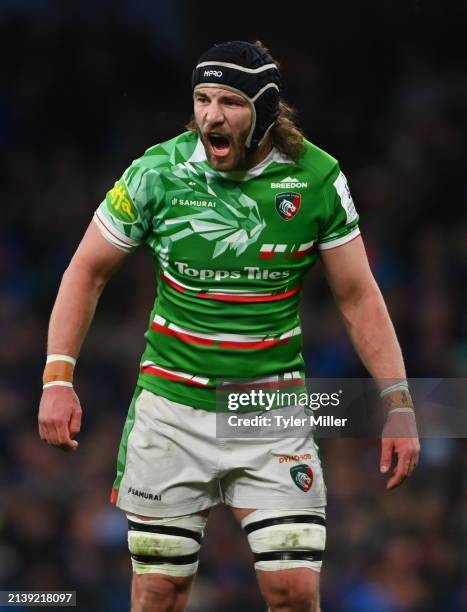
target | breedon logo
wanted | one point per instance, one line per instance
(290, 183)
(302, 475)
(288, 204)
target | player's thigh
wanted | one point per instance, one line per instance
(164, 554)
(287, 546)
(293, 589)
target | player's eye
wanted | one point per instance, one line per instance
(230, 102)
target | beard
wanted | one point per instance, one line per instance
(225, 152)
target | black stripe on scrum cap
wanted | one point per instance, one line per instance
(252, 72)
(247, 83)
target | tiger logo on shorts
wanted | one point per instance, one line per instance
(302, 475)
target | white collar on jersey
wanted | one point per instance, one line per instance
(199, 155)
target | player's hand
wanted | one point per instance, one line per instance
(406, 448)
(60, 417)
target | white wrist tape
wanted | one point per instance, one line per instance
(401, 386)
(57, 383)
(408, 410)
(56, 357)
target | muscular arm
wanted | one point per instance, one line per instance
(371, 331)
(92, 265)
(363, 310)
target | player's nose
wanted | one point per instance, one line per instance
(214, 114)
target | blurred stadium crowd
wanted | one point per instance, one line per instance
(82, 95)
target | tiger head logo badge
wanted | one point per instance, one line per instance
(288, 204)
(302, 475)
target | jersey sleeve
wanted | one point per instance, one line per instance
(341, 226)
(123, 216)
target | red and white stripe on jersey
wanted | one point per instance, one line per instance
(112, 235)
(287, 379)
(295, 375)
(303, 249)
(148, 367)
(221, 340)
(268, 251)
(176, 284)
(228, 295)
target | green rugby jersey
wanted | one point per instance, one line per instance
(230, 251)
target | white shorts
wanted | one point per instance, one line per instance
(171, 463)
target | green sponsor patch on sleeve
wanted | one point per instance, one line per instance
(120, 204)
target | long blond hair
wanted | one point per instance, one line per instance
(286, 135)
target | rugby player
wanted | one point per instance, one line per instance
(234, 211)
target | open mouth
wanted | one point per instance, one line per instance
(220, 145)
